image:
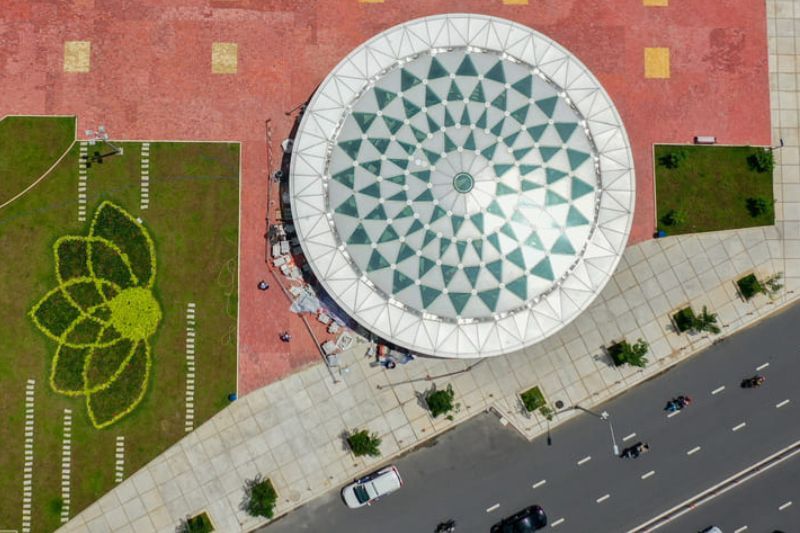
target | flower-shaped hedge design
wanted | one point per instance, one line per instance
(102, 314)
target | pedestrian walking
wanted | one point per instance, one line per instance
(263, 285)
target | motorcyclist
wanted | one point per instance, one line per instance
(447, 526)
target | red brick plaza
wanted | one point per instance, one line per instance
(148, 75)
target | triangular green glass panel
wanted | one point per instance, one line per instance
(496, 269)
(447, 274)
(449, 145)
(562, 246)
(346, 177)
(459, 300)
(502, 188)
(478, 245)
(565, 129)
(408, 80)
(494, 208)
(494, 240)
(517, 216)
(448, 119)
(537, 131)
(466, 68)
(402, 163)
(433, 127)
(433, 157)
(547, 105)
(522, 152)
(372, 166)
(376, 261)
(436, 70)
(519, 287)
(525, 85)
(552, 198)
(576, 158)
(400, 179)
(405, 252)
(534, 241)
(377, 214)
(348, 207)
(496, 73)
(554, 175)
(454, 93)
(465, 120)
(472, 274)
(351, 148)
(489, 298)
(392, 124)
(543, 269)
(580, 188)
(517, 258)
(428, 294)
(506, 228)
(497, 129)
(429, 236)
(461, 247)
(575, 217)
(359, 236)
(373, 189)
(488, 153)
(509, 139)
(415, 227)
(364, 120)
(425, 265)
(527, 169)
(383, 97)
(527, 185)
(431, 98)
(426, 196)
(456, 221)
(389, 234)
(380, 144)
(477, 221)
(419, 135)
(444, 244)
(422, 175)
(482, 120)
(477, 94)
(520, 114)
(410, 108)
(469, 144)
(405, 213)
(399, 197)
(548, 152)
(400, 281)
(408, 148)
(500, 102)
(438, 213)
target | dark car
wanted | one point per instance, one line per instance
(527, 520)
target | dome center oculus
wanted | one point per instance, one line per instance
(463, 182)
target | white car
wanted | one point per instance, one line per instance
(369, 488)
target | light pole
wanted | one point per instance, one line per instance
(606, 417)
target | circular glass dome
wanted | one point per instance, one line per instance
(457, 196)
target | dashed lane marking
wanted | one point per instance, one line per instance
(557, 522)
(673, 413)
(740, 426)
(743, 528)
(585, 460)
(762, 367)
(718, 390)
(781, 404)
(784, 506)
(629, 437)
(538, 484)
(603, 498)
(648, 474)
(693, 450)
(492, 508)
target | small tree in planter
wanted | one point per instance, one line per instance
(632, 354)
(259, 497)
(440, 402)
(684, 319)
(200, 523)
(364, 443)
(533, 399)
(749, 286)
(706, 321)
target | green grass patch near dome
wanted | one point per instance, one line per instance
(710, 188)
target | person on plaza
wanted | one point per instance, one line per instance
(285, 336)
(263, 285)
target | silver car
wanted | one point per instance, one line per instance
(369, 488)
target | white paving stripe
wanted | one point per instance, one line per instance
(718, 390)
(492, 508)
(693, 450)
(603, 498)
(144, 199)
(82, 181)
(740, 426)
(119, 467)
(743, 528)
(629, 437)
(784, 506)
(66, 464)
(648, 474)
(762, 367)
(781, 404)
(585, 460)
(557, 522)
(190, 347)
(27, 470)
(539, 484)
(673, 413)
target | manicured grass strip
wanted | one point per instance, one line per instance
(708, 188)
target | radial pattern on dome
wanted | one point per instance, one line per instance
(460, 196)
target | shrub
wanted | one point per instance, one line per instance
(674, 217)
(259, 497)
(196, 524)
(758, 206)
(773, 284)
(625, 353)
(364, 443)
(761, 160)
(674, 158)
(440, 402)
(546, 411)
(533, 399)
(749, 286)
(705, 321)
(684, 319)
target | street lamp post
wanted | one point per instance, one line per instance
(606, 417)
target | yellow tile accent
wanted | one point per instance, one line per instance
(224, 58)
(515, 2)
(77, 56)
(656, 62)
(656, 3)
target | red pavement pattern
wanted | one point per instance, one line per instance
(151, 79)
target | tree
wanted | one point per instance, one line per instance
(259, 497)
(761, 160)
(624, 352)
(440, 402)
(757, 206)
(364, 443)
(674, 217)
(706, 321)
(674, 158)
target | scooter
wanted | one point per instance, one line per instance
(755, 381)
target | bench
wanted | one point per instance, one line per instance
(705, 139)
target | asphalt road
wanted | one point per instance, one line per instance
(578, 479)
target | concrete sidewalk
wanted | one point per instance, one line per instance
(291, 431)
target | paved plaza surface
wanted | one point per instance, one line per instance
(577, 478)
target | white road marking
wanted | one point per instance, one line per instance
(718, 390)
(779, 405)
(693, 450)
(629, 437)
(784, 506)
(762, 367)
(603, 498)
(557, 522)
(740, 426)
(585, 460)
(743, 528)
(492, 508)
(647, 475)
(539, 484)
(673, 413)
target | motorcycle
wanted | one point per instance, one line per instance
(635, 451)
(676, 404)
(755, 381)
(446, 527)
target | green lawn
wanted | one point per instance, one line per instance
(710, 188)
(193, 220)
(28, 147)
